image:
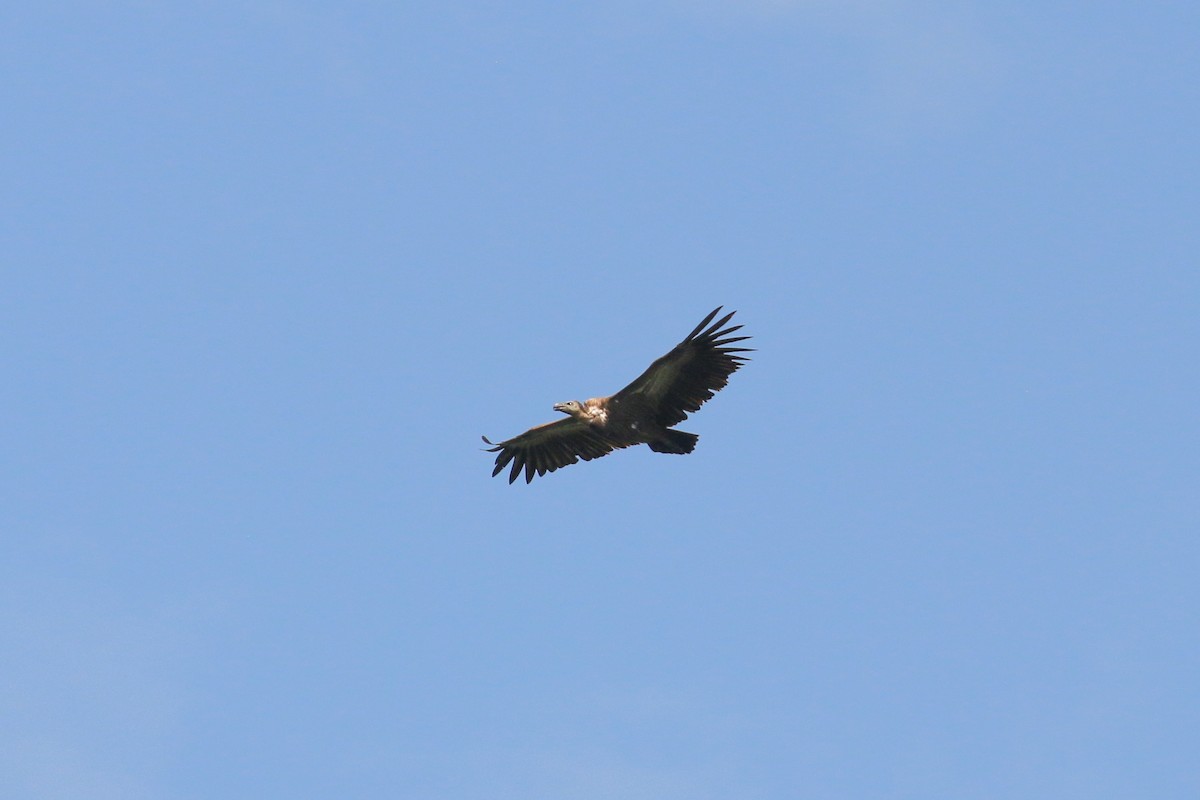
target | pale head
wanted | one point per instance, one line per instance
(572, 407)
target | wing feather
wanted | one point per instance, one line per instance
(548, 447)
(695, 369)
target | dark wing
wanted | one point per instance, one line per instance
(547, 447)
(699, 366)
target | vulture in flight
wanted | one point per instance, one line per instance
(641, 413)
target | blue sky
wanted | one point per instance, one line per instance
(270, 269)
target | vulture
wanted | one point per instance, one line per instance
(641, 413)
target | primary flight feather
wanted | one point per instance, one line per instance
(641, 413)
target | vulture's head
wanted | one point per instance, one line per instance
(571, 407)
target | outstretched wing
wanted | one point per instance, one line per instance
(699, 366)
(547, 447)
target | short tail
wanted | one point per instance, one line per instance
(677, 442)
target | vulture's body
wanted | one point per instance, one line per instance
(641, 413)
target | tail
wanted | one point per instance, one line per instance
(677, 442)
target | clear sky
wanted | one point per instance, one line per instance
(271, 268)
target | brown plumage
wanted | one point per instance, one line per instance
(641, 413)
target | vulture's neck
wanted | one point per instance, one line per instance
(596, 410)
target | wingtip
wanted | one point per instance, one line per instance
(703, 323)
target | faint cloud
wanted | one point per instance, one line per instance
(622, 757)
(926, 67)
(929, 74)
(602, 775)
(91, 698)
(592, 773)
(325, 40)
(633, 742)
(319, 47)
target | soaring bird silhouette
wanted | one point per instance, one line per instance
(641, 413)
